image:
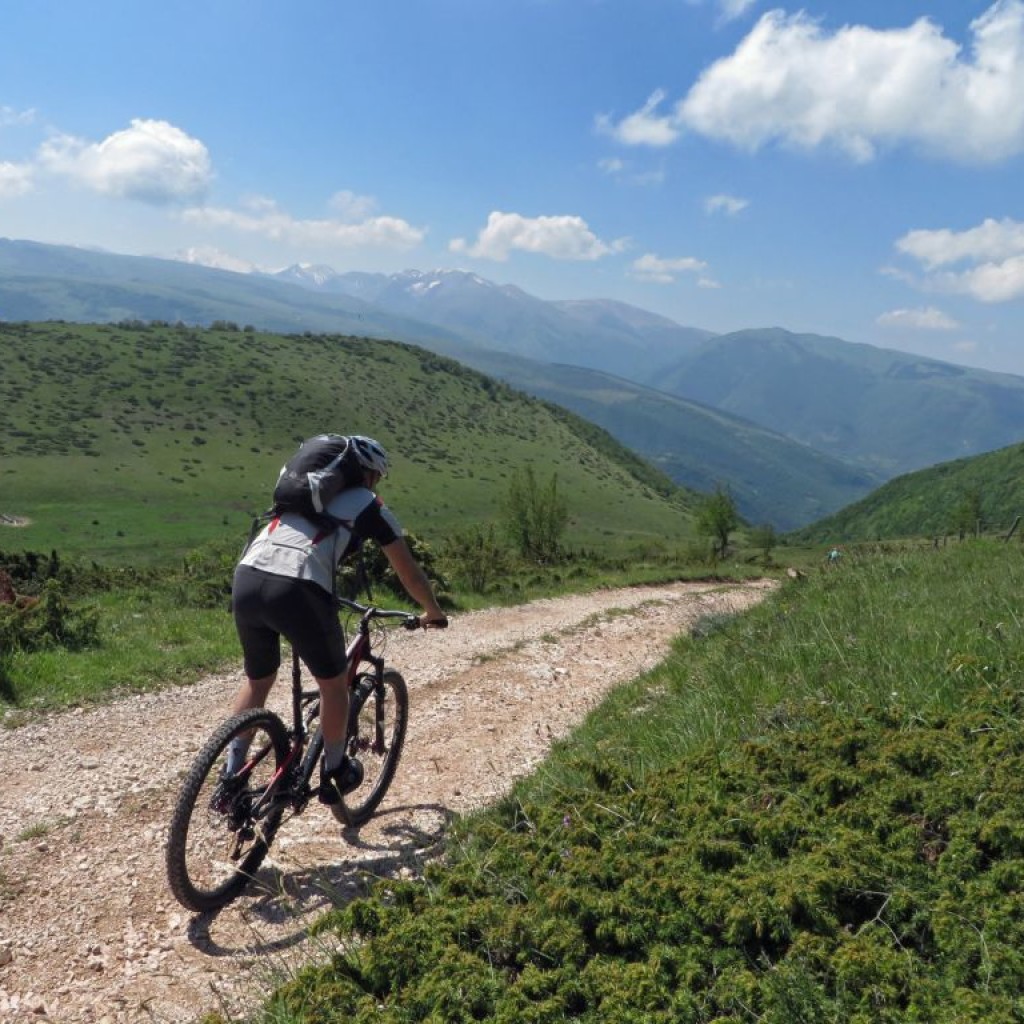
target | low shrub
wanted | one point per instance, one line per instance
(48, 621)
(832, 869)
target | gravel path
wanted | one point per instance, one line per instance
(88, 929)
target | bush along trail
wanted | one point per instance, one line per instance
(858, 871)
(843, 844)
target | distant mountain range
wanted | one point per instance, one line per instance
(597, 334)
(797, 426)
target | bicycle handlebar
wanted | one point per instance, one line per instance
(410, 621)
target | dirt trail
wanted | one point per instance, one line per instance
(88, 929)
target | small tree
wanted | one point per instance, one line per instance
(764, 538)
(717, 518)
(534, 516)
(476, 557)
(967, 514)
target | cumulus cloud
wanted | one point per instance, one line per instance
(560, 237)
(263, 217)
(985, 262)
(659, 270)
(929, 319)
(645, 127)
(992, 240)
(725, 204)
(151, 161)
(15, 179)
(856, 88)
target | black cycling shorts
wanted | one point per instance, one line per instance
(267, 607)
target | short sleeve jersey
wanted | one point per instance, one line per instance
(290, 545)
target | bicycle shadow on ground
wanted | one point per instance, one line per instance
(279, 896)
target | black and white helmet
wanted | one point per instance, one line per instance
(369, 454)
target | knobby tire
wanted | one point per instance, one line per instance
(378, 746)
(211, 856)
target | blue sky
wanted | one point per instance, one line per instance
(853, 169)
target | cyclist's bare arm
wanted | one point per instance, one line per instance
(415, 581)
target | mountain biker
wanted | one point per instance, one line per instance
(284, 586)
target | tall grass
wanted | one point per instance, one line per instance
(149, 639)
(807, 813)
(909, 627)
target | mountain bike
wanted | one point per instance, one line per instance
(221, 830)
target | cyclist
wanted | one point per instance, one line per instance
(284, 586)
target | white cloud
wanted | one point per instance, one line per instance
(623, 171)
(646, 127)
(658, 270)
(560, 237)
(929, 319)
(208, 256)
(725, 204)
(9, 116)
(730, 10)
(857, 88)
(15, 179)
(991, 240)
(151, 161)
(263, 217)
(353, 208)
(989, 282)
(994, 252)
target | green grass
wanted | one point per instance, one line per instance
(938, 501)
(149, 639)
(807, 813)
(134, 445)
(155, 631)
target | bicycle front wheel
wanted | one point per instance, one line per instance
(378, 716)
(219, 832)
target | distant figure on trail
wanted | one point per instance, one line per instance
(834, 555)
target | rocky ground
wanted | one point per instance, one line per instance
(88, 929)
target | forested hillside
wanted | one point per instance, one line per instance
(984, 493)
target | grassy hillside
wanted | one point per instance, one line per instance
(934, 502)
(134, 443)
(806, 814)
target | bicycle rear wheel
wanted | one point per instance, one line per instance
(378, 717)
(219, 836)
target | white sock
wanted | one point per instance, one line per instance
(334, 754)
(237, 750)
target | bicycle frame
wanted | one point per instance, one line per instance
(358, 653)
(245, 810)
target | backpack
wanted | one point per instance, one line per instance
(322, 467)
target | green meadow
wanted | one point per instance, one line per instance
(133, 444)
(807, 813)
